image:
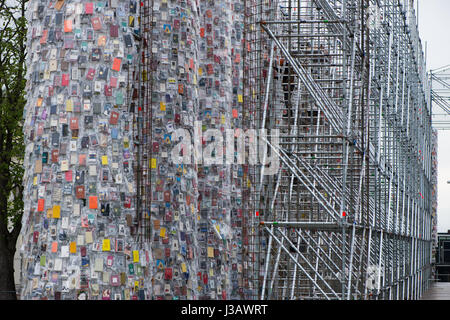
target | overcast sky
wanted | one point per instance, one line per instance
(434, 29)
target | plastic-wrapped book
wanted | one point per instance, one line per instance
(79, 182)
(82, 213)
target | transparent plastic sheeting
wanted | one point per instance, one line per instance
(80, 187)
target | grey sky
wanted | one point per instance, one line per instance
(434, 29)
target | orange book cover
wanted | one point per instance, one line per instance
(41, 204)
(59, 4)
(56, 212)
(73, 247)
(67, 25)
(116, 64)
(93, 202)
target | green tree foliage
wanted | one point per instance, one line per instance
(13, 29)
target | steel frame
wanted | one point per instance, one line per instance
(349, 213)
(142, 100)
(440, 96)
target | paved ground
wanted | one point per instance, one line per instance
(438, 291)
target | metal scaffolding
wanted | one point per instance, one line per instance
(142, 124)
(348, 215)
(440, 96)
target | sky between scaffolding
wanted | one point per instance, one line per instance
(434, 23)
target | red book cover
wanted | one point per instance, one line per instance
(114, 31)
(114, 118)
(90, 74)
(108, 91)
(68, 175)
(113, 82)
(55, 154)
(80, 192)
(96, 23)
(82, 159)
(74, 124)
(65, 80)
(89, 8)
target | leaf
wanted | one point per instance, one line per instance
(13, 31)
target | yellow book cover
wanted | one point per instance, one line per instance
(135, 256)
(73, 247)
(106, 245)
(56, 211)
